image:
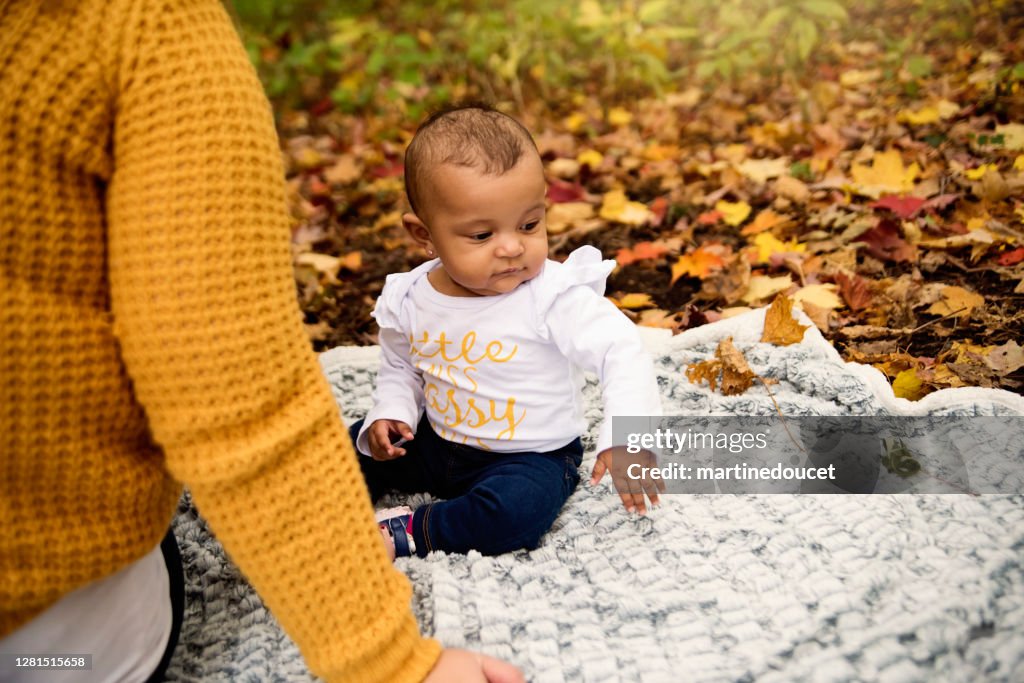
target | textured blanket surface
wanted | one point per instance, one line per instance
(910, 587)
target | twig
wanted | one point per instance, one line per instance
(924, 325)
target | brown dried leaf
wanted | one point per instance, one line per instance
(780, 327)
(728, 367)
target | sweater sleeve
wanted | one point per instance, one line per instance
(205, 312)
(597, 337)
(398, 394)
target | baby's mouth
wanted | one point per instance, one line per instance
(509, 271)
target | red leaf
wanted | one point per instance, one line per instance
(904, 207)
(390, 170)
(884, 242)
(1012, 258)
(855, 290)
(560, 192)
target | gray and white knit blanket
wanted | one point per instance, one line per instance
(708, 587)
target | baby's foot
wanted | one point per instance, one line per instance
(395, 526)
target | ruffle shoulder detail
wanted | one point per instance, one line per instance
(584, 267)
(390, 311)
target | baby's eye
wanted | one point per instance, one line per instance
(530, 227)
(480, 236)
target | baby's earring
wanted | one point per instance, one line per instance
(430, 252)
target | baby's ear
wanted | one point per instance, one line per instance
(417, 230)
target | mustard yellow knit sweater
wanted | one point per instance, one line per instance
(151, 337)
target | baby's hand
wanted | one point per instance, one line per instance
(386, 438)
(630, 482)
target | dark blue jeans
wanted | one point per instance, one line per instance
(495, 502)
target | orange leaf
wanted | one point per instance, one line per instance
(642, 250)
(766, 220)
(728, 366)
(699, 263)
(709, 217)
(780, 327)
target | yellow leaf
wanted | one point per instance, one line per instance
(574, 121)
(763, 286)
(920, 117)
(657, 317)
(780, 327)
(700, 263)
(908, 385)
(634, 301)
(766, 220)
(566, 214)
(855, 77)
(616, 207)
(590, 158)
(1013, 136)
(1018, 163)
(886, 175)
(733, 213)
(619, 117)
(976, 237)
(956, 300)
(979, 173)
(822, 296)
(322, 263)
(768, 244)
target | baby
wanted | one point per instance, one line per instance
(478, 400)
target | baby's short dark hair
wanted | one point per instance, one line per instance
(474, 135)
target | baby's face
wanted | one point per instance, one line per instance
(488, 230)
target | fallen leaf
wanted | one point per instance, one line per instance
(560, 191)
(729, 367)
(763, 286)
(887, 174)
(765, 220)
(1018, 163)
(780, 327)
(616, 207)
(561, 217)
(855, 290)
(958, 301)
(619, 117)
(634, 301)
(656, 317)
(733, 213)
(1013, 136)
(699, 263)
(821, 296)
(792, 188)
(981, 171)
(640, 251)
(564, 168)
(1011, 258)
(761, 170)
(884, 242)
(908, 385)
(904, 207)
(344, 170)
(590, 157)
(854, 78)
(1006, 358)
(769, 245)
(821, 317)
(709, 217)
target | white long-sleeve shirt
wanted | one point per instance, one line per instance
(504, 373)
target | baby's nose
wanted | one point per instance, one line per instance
(510, 246)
